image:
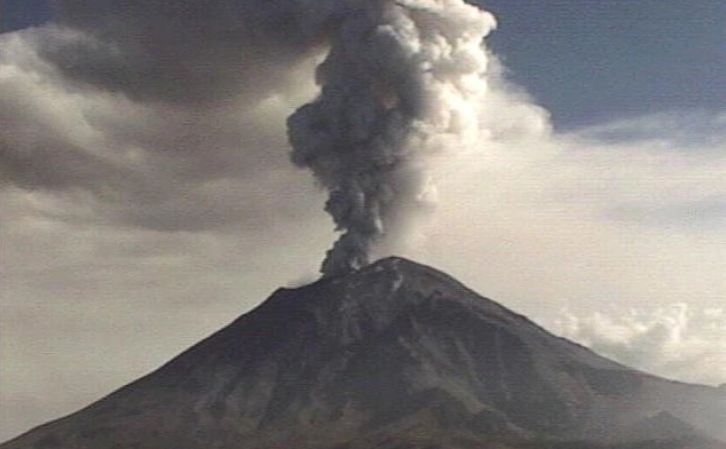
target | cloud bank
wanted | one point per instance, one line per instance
(674, 341)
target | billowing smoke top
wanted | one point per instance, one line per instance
(402, 82)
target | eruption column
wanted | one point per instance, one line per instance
(402, 82)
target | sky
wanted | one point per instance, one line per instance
(147, 198)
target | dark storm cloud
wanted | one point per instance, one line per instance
(116, 158)
(185, 51)
(36, 152)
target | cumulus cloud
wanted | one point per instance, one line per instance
(675, 341)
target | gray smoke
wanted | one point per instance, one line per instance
(402, 82)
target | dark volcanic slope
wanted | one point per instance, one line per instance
(396, 355)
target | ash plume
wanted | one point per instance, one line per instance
(401, 83)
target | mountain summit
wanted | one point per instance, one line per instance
(395, 355)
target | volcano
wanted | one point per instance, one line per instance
(396, 355)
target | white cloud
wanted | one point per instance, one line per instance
(689, 130)
(674, 341)
(543, 219)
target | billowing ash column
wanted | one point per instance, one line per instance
(403, 81)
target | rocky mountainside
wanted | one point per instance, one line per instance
(396, 355)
